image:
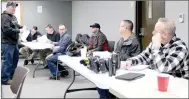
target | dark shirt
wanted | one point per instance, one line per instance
(9, 29)
(55, 37)
(98, 42)
(128, 48)
(33, 37)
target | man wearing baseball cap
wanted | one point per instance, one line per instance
(9, 42)
(98, 41)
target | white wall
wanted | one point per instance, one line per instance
(53, 12)
(108, 14)
(172, 11)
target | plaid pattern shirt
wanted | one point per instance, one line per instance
(172, 58)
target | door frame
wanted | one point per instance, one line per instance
(138, 21)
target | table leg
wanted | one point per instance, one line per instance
(73, 79)
(36, 68)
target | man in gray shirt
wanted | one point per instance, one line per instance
(59, 49)
(128, 45)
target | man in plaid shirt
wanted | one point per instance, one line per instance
(166, 53)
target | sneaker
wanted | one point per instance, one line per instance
(32, 60)
(54, 78)
(7, 83)
(46, 67)
(25, 62)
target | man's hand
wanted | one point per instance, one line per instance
(156, 41)
(21, 30)
(89, 52)
(54, 43)
(126, 65)
(49, 56)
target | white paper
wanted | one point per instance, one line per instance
(138, 67)
(39, 9)
(102, 54)
(37, 45)
(25, 34)
(43, 39)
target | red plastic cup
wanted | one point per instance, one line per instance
(163, 82)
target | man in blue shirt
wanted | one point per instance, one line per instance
(59, 49)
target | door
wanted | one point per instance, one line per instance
(147, 14)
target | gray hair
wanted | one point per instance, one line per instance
(170, 26)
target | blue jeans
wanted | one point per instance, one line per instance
(52, 64)
(9, 61)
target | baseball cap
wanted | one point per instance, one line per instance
(95, 25)
(12, 4)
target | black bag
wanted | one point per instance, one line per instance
(73, 50)
(98, 65)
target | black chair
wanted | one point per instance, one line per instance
(18, 81)
(78, 38)
(59, 63)
(111, 45)
(85, 39)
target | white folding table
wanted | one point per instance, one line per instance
(140, 88)
(37, 46)
(147, 87)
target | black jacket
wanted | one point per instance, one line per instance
(33, 37)
(55, 37)
(128, 48)
(9, 29)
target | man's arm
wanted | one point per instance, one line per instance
(63, 45)
(7, 28)
(134, 51)
(171, 61)
(142, 58)
(19, 26)
(29, 37)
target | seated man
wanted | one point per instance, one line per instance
(128, 46)
(25, 51)
(98, 41)
(167, 53)
(59, 49)
(53, 38)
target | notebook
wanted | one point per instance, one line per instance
(130, 76)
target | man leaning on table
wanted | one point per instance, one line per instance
(59, 49)
(10, 30)
(53, 37)
(166, 53)
(25, 51)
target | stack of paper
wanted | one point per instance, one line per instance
(24, 35)
(43, 39)
(102, 54)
